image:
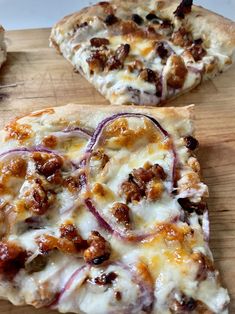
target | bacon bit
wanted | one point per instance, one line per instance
(100, 156)
(154, 191)
(177, 73)
(185, 7)
(98, 251)
(48, 243)
(56, 178)
(12, 259)
(98, 42)
(49, 141)
(105, 279)
(20, 132)
(131, 191)
(205, 265)
(96, 61)
(111, 19)
(73, 184)
(47, 164)
(162, 51)
(197, 51)
(70, 232)
(190, 142)
(190, 207)
(148, 75)
(184, 305)
(38, 200)
(122, 214)
(16, 167)
(137, 19)
(118, 295)
(181, 38)
(117, 60)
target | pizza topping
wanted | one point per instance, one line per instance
(105, 279)
(97, 61)
(183, 9)
(191, 207)
(100, 157)
(181, 38)
(15, 167)
(37, 264)
(191, 143)
(177, 72)
(12, 259)
(116, 61)
(70, 232)
(111, 19)
(137, 19)
(183, 305)
(20, 132)
(118, 295)
(47, 164)
(197, 51)
(153, 18)
(49, 141)
(98, 251)
(73, 183)
(162, 51)
(205, 265)
(98, 42)
(122, 214)
(148, 75)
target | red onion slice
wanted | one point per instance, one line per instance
(82, 284)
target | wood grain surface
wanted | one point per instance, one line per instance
(45, 79)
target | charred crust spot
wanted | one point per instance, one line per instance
(105, 279)
(98, 250)
(98, 42)
(110, 19)
(191, 143)
(137, 19)
(184, 8)
(190, 207)
(121, 213)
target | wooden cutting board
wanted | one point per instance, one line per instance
(43, 78)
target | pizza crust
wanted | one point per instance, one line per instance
(3, 52)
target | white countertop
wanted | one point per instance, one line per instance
(21, 14)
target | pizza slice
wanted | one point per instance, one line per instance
(105, 212)
(2, 47)
(145, 52)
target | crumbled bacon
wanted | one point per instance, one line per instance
(73, 184)
(148, 75)
(101, 157)
(191, 143)
(12, 259)
(47, 164)
(162, 51)
(137, 19)
(116, 61)
(48, 243)
(49, 141)
(205, 266)
(143, 182)
(97, 61)
(98, 250)
(37, 199)
(105, 279)
(181, 38)
(70, 232)
(191, 207)
(111, 19)
(122, 214)
(184, 8)
(177, 72)
(197, 51)
(16, 167)
(98, 42)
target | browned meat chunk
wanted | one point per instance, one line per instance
(122, 214)
(177, 73)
